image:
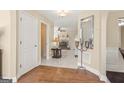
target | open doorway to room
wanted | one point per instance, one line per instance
(43, 40)
(115, 47)
(62, 44)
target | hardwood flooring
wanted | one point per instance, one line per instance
(46, 74)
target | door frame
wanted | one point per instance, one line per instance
(47, 39)
(119, 28)
(18, 75)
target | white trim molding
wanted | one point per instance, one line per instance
(104, 78)
(96, 72)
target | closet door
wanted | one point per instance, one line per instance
(28, 42)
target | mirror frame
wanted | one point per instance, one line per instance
(89, 18)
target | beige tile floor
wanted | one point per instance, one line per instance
(67, 61)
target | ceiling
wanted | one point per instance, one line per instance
(70, 21)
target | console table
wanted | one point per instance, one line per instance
(63, 45)
(56, 52)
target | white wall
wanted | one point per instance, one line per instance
(94, 53)
(95, 59)
(122, 36)
(13, 63)
(103, 49)
(113, 30)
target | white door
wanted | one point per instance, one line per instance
(28, 42)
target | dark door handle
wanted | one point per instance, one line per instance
(35, 46)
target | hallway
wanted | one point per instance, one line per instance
(67, 60)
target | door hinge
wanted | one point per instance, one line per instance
(20, 66)
(20, 18)
(35, 45)
(20, 42)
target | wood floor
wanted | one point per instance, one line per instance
(45, 74)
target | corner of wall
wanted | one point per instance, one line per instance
(104, 78)
(96, 72)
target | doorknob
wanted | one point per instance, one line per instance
(20, 42)
(35, 46)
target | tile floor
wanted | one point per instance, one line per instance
(68, 60)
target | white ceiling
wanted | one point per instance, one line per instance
(70, 21)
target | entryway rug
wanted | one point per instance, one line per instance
(115, 77)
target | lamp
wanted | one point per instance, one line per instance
(55, 42)
(62, 12)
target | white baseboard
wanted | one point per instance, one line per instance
(96, 72)
(104, 78)
(14, 79)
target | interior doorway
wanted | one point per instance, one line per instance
(115, 48)
(43, 40)
(122, 36)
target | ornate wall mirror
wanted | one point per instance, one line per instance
(87, 32)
